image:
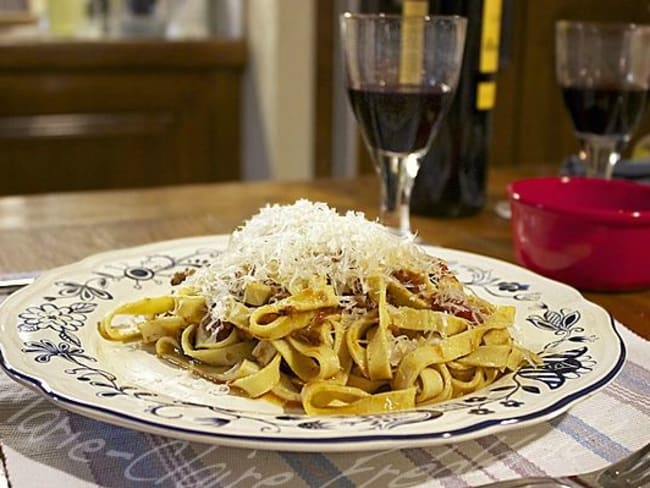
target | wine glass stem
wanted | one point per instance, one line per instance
(397, 175)
(599, 154)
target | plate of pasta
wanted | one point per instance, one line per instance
(307, 330)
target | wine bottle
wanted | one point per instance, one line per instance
(452, 179)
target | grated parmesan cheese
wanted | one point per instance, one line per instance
(288, 246)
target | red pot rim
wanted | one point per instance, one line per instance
(526, 192)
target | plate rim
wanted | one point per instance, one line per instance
(323, 444)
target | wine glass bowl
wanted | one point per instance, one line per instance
(604, 72)
(401, 73)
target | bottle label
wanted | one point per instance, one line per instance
(486, 93)
(417, 8)
(412, 46)
(490, 36)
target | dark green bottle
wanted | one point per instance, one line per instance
(452, 179)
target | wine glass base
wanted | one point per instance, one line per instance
(502, 209)
(406, 235)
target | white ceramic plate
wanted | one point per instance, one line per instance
(49, 341)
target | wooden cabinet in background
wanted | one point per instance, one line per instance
(91, 115)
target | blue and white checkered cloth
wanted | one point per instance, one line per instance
(44, 445)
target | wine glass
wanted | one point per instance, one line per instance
(604, 72)
(401, 73)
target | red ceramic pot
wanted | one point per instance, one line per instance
(590, 233)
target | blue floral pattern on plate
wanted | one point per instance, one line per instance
(50, 337)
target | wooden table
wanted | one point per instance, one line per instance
(39, 232)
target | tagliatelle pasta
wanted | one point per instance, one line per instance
(330, 312)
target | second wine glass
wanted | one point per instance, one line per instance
(604, 72)
(401, 73)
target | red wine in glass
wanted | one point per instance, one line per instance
(400, 118)
(605, 110)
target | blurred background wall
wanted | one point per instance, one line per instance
(279, 89)
(104, 93)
